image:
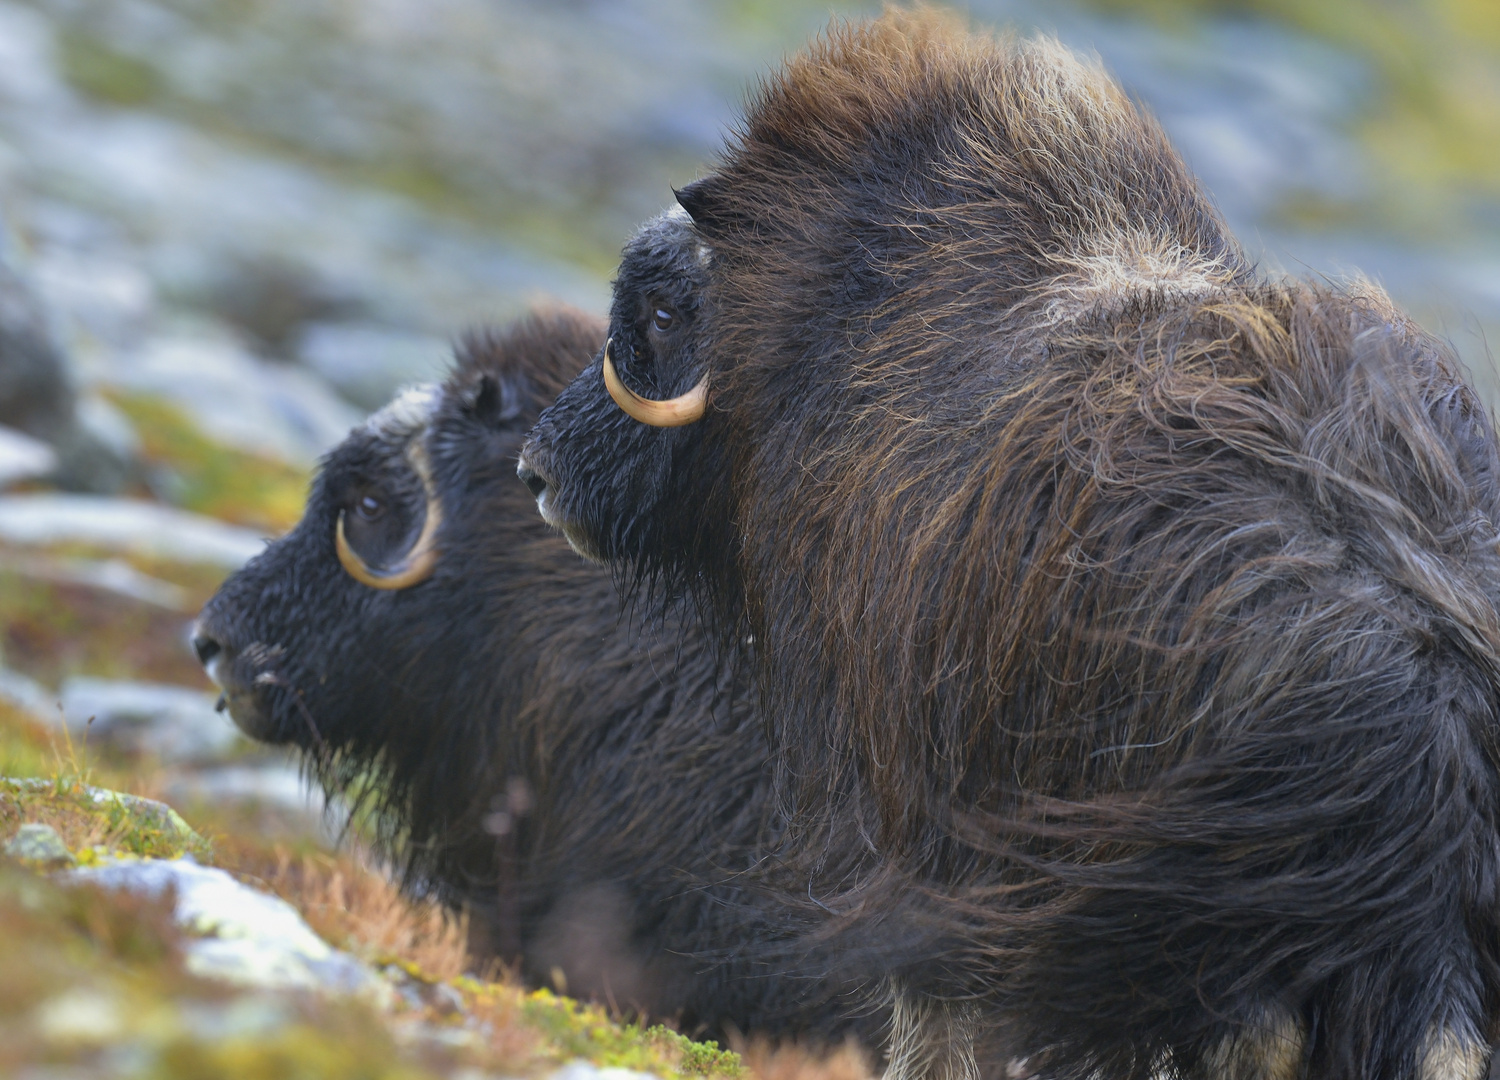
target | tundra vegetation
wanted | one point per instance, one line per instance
(89, 975)
(1137, 606)
(93, 976)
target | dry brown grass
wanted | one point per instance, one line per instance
(87, 824)
(500, 1010)
(78, 827)
(52, 630)
(346, 899)
(766, 1061)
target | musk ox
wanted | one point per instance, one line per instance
(1141, 606)
(586, 783)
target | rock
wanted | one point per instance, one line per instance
(273, 299)
(24, 693)
(246, 937)
(583, 1070)
(275, 785)
(368, 363)
(146, 813)
(154, 815)
(23, 458)
(112, 575)
(100, 292)
(170, 723)
(236, 398)
(28, 73)
(279, 784)
(39, 845)
(105, 422)
(80, 1015)
(245, 1016)
(37, 393)
(126, 525)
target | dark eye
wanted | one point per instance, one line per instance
(369, 508)
(662, 319)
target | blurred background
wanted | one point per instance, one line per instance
(230, 228)
(269, 213)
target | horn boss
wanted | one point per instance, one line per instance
(418, 563)
(673, 412)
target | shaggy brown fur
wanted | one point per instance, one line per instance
(1144, 608)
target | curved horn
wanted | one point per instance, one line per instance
(420, 561)
(674, 412)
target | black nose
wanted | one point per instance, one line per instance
(206, 648)
(531, 478)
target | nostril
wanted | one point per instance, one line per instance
(206, 648)
(532, 479)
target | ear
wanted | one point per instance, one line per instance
(485, 404)
(699, 199)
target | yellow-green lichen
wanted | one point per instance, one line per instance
(211, 478)
(53, 629)
(1433, 123)
(106, 74)
(93, 820)
(576, 1030)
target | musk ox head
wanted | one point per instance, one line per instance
(905, 207)
(346, 637)
(1135, 597)
(910, 221)
(645, 379)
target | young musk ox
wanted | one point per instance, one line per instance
(586, 783)
(1142, 607)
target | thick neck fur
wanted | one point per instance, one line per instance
(1151, 600)
(910, 221)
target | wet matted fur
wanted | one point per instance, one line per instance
(588, 782)
(1141, 608)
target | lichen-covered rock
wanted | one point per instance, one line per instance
(39, 845)
(37, 392)
(144, 826)
(147, 966)
(244, 937)
(126, 525)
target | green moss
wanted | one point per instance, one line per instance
(52, 630)
(96, 821)
(25, 749)
(211, 478)
(359, 1052)
(697, 1058)
(586, 1031)
(105, 74)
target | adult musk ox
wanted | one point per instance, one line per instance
(1144, 608)
(586, 783)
